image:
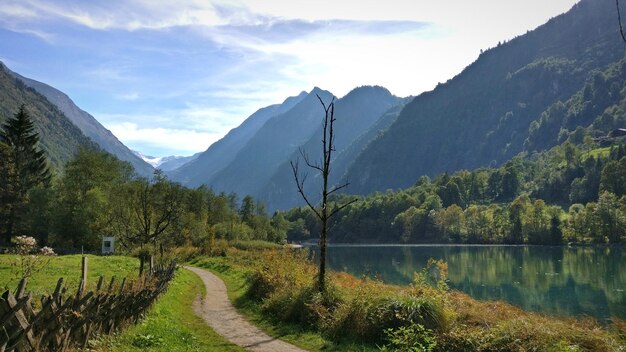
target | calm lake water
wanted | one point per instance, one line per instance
(576, 281)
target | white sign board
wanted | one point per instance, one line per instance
(108, 245)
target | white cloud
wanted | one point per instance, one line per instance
(120, 14)
(158, 140)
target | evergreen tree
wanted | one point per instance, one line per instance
(29, 162)
(7, 193)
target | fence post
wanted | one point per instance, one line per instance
(151, 263)
(83, 279)
(21, 288)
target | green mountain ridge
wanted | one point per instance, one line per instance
(58, 136)
(87, 124)
(483, 116)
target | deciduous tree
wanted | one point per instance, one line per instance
(325, 210)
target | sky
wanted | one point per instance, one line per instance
(172, 77)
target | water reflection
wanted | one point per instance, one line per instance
(554, 280)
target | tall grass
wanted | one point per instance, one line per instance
(282, 284)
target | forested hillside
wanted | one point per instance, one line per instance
(89, 126)
(59, 137)
(506, 102)
(568, 194)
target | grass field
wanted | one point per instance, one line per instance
(69, 268)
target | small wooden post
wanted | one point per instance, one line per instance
(84, 272)
(83, 279)
(100, 281)
(151, 263)
(21, 288)
(111, 284)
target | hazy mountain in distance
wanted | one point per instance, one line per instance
(359, 111)
(491, 110)
(58, 136)
(272, 144)
(172, 163)
(167, 163)
(87, 124)
(221, 153)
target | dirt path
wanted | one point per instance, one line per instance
(218, 312)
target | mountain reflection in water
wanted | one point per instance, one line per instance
(564, 281)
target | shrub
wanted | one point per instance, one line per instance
(285, 270)
(413, 338)
(306, 306)
(352, 319)
(213, 247)
(255, 245)
(29, 260)
(409, 310)
(183, 254)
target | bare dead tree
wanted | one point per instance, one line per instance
(324, 212)
(619, 20)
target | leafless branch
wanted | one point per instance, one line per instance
(321, 102)
(305, 156)
(300, 185)
(338, 188)
(619, 19)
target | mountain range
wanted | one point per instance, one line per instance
(254, 159)
(221, 153)
(503, 104)
(564, 80)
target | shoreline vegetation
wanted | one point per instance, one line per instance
(275, 289)
(573, 193)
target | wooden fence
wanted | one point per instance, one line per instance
(66, 320)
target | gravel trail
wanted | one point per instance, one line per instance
(219, 313)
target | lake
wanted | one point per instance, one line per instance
(563, 281)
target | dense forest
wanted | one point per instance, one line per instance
(571, 193)
(97, 195)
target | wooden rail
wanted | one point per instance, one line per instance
(68, 320)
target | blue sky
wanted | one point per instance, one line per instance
(172, 77)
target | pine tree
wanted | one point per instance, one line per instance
(29, 162)
(7, 192)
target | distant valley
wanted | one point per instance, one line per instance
(167, 163)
